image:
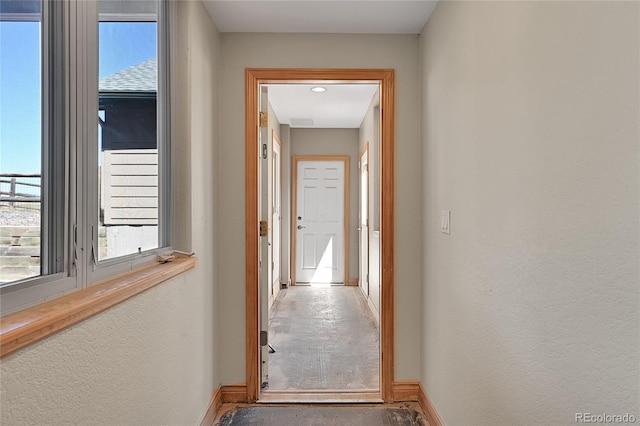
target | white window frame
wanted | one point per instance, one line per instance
(70, 202)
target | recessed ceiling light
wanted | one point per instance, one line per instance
(318, 89)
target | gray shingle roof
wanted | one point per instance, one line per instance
(142, 77)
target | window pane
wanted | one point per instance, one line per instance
(128, 135)
(20, 140)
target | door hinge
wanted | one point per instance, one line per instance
(264, 119)
(263, 228)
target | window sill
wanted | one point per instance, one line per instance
(33, 324)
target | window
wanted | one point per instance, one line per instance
(128, 137)
(84, 146)
(21, 137)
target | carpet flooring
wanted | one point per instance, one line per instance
(325, 337)
(323, 416)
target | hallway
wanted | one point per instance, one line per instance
(510, 277)
(325, 337)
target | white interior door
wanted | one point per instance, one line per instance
(277, 215)
(320, 222)
(363, 224)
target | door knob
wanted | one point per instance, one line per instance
(300, 226)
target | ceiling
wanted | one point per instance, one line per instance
(321, 16)
(341, 106)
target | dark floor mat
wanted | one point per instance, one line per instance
(322, 416)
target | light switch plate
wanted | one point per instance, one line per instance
(445, 218)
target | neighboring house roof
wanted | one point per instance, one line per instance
(142, 77)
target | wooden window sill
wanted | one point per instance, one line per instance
(33, 324)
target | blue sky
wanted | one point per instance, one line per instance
(121, 45)
(19, 97)
(124, 44)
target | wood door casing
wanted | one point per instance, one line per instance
(253, 78)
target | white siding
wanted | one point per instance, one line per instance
(129, 187)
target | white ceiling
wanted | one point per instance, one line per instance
(341, 106)
(321, 16)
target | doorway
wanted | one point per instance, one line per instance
(254, 78)
(320, 229)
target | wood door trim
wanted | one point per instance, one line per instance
(365, 148)
(277, 138)
(234, 393)
(253, 78)
(294, 207)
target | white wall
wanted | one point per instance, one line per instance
(530, 133)
(152, 359)
(320, 51)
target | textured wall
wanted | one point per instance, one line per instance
(335, 142)
(320, 51)
(530, 128)
(145, 361)
(151, 359)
